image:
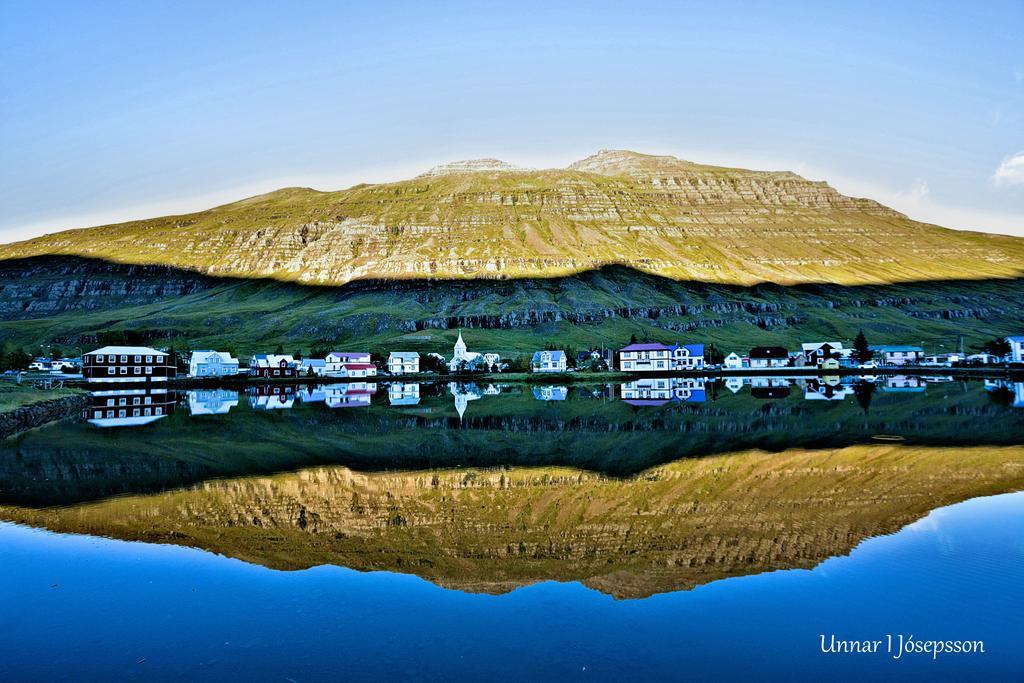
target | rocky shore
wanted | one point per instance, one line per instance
(35, 415)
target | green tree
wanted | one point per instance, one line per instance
(713, 355)
(279, 350)
(997, 347)
(861, 352)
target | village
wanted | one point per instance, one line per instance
(114, 364)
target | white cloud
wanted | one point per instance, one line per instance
(917, 193)
(1011, 171)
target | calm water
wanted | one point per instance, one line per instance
(676, 529)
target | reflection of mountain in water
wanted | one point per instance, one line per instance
(675, 526)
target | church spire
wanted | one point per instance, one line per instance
(460, 347)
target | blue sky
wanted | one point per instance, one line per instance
(112, 111)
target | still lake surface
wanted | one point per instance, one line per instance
(680, 529)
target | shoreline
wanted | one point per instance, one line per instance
(562, 377)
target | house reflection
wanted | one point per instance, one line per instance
(129, 407)
(211, 401)
(549, 392)
(404, 393)
(350, 394)
(826, 389)
(903, 384)
(658, 391)
(272, 396)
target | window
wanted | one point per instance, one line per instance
(147, 412)
(138, 359)
(135, 401)
(149, 359)
(99, 358)
(122, 401)
(135, 413)
(158, 411)
(124, 370)
(111, 371)
(122, 413)
(110, 413)
(124, 359)
(148, 400)
(138, 370)
(110, 401)
(97, 414)
(149, 371)
(276, 373)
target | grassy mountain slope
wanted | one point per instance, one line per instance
(70, 302)
(658, 215)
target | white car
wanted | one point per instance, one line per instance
(870, 365)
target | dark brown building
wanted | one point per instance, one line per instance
(118, 364)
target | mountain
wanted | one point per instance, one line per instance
(486, 219)
(671, 528)
(615, 245)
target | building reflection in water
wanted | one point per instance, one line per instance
(404, 393)
(129, 407)
(272, 396)
(464, 392)
(211, 401)
(550, 392)
(658, 391)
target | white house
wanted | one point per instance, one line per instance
(661, 358)
(403, 362)
(548, 361)
(816, 353)
(336, 359)
(768, 357)
(1016, 349)
(733, 361)
(898, 355)
(41, 364)
(312, 367)
(212, 364)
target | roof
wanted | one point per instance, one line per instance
(346, 354)
(647, 347)
(272, 358)
(694, 349)
(223, 355)
(313, 362)
(404, 355)
(128, 351)
(358, 366)
(889, 348)
(1018, 339)
(812, 346)
(769, 352)
(555, 355)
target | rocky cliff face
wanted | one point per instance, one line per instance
(478, 219)
(670, 528)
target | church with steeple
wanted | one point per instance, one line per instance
(464, 359)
